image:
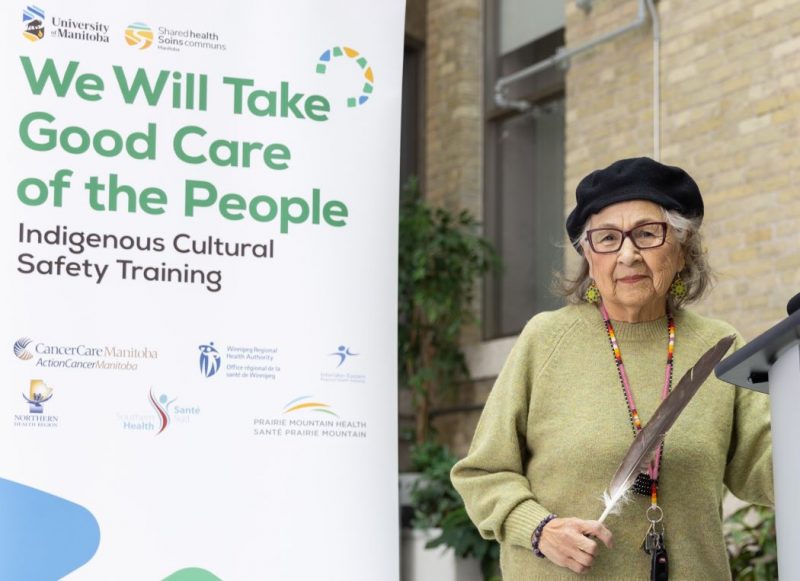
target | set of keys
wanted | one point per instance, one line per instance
(653, 545)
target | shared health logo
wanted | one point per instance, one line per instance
(343, 352)
(139, 35)
(21, 348)
(33, 19)
(210, 359)
(38, 393)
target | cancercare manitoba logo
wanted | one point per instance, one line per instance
(20, 348)
(139, 35)
(33, 19)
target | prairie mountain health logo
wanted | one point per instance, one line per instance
(83, 356)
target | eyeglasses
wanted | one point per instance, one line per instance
(644, 237)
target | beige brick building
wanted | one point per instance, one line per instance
(728, 110)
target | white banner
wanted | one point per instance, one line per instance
(199, 254)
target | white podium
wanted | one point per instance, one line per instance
(771, 364)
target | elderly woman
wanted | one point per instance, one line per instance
(581, 381)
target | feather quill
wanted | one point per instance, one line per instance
(648, 439)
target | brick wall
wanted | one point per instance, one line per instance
(730, 116)
(454, 104)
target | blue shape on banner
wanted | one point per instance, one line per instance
(43, 537)
(326, 56)
(362, 99)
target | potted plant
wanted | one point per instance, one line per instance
(442, 257)
(439, 512)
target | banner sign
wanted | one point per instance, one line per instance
(200, 260)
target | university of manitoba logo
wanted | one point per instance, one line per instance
(33, 19)
(38, 393)
(342, 353)
(139, 35)
(21, 348)
(210, 360)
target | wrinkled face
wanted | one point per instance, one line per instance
(634, 283)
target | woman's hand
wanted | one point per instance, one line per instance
(565, 542)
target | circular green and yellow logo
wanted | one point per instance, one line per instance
(139, 35)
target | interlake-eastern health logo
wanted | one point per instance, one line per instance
(310, 417)
(167, 411)
(33, 21)
(343, 366)
(83, 356)
(139, 35)
(38, 394)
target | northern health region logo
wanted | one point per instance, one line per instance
(33, 19)
(210, 359)
(21, 348)
(38, 393)
(139, 35)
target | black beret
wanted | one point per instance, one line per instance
(638, 178)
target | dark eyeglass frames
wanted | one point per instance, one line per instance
(643, 236)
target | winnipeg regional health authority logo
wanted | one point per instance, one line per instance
(139, 35)
(210, 359)
(33, 20)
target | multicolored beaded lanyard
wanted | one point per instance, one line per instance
(645, 483)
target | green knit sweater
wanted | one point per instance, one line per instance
(556, 426)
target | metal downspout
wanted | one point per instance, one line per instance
(562, 56)
(656, 79)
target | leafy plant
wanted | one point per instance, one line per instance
(442, 256)
(752, 547)
(438, 505)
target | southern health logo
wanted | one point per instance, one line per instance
(21, 348)
(139, 35)
(33, 19)
(210, 359)
(167, 414)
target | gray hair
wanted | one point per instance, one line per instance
(696, 273)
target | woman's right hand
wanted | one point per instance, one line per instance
(566, 542)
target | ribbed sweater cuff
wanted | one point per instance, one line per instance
(522, 521)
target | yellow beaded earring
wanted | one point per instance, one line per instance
(678, 288)
(592, 294)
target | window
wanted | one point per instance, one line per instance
(524, 193)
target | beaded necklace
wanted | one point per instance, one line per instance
(646, 484)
